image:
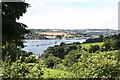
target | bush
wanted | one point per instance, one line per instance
(71, 58)
(116, 44)
(91, 40)
(84, 49)
(94, 48)
(30, 59)
(51, 61)
(20, 69)
(77, 43)
(61, 67)
(97, 65)
(59, 51)
(62, 44)
(111, 45)
(107, 45)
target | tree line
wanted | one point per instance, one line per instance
(95, 62)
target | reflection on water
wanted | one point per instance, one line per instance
(38, 47)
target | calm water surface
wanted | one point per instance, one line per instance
(39, 46)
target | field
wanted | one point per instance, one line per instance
(50, 33)
(87, 45)
(53, 72)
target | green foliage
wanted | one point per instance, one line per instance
(12, 31)
(94, 48)
(97, 65)
(87, 45)
(71, 58)
(61, 67)
(102, 38)
(52, 61)
(57, 74)
(15, 70)
(30, 59)
(60, 51)
(107, 45)
(14, 53)
(59, 36)
(111, 45)
(87, 64)
(77, 43)
(62, 44)
(84, 49)
(20, 69)
(114, 37)
(10, 50)
(13, 10)
(56, 51)
(116, 44)
(91, 40)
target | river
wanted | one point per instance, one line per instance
(38, 47)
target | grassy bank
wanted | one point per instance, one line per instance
(87, 45)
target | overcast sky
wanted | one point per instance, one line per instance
(71, 14)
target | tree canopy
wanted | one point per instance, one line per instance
(12, 31)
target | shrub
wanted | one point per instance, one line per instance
(61, 67)
(97, 65)
(20, 69)
(71, 58)
(51, 61)
(94, 48)
(107, 45)
(30, 59)
(116, 44)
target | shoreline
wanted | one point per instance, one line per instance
(53, 39)
(42, 45)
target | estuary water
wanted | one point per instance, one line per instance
(38, 47)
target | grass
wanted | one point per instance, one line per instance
(87, 45)
(73, 35)
(52, 73)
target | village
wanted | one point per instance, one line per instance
(54, 34)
